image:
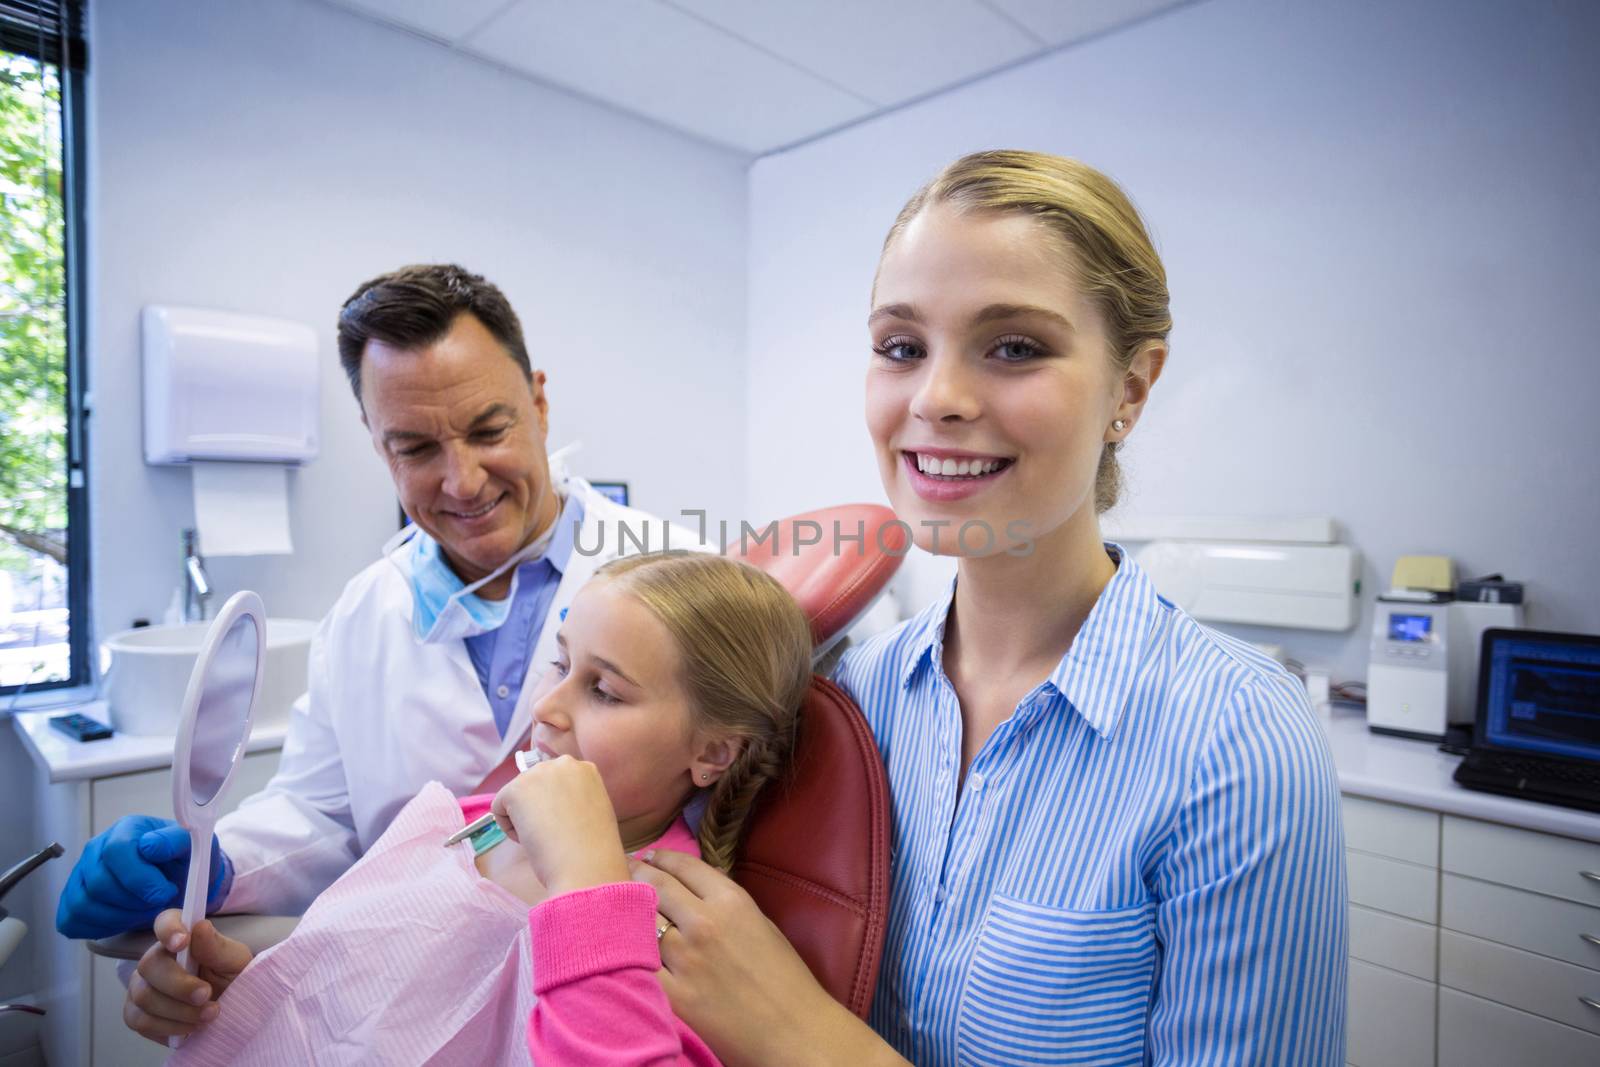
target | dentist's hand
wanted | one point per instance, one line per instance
(163, 998)
(130, 873)
(559, 812)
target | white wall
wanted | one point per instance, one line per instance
(268, 157)
(1379, 224)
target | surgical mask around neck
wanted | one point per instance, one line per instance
(443, 607)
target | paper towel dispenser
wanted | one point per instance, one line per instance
(225, 386)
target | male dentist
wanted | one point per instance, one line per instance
(424, 668)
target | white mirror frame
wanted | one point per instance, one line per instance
(239, 605)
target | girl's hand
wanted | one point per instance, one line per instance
(165, 1000)
(735, 979)
(559, 812)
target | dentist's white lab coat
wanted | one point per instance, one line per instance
(384, 714)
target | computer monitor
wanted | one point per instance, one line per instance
(1540, 692)
(616, 492)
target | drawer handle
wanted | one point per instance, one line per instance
(1593, 1003)
(1593, 876)
(1593, 940)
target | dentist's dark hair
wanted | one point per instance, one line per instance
(415, 306)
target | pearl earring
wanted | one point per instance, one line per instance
(705, 776)
(1120, 425)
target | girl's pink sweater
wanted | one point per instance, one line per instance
(595, 959)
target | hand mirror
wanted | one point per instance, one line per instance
(212, 730)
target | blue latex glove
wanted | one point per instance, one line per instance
(131, 873)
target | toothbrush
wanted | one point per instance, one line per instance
(524, 760)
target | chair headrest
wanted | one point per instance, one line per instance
(834, 561)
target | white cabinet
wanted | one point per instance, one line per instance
(82, 992)
(1520, 919)
(1392, 862)
(1470, 942)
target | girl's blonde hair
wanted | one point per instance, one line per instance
(1110, 250)
(746, 653)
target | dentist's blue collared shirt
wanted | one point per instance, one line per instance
(1144, 865)
(501, 656)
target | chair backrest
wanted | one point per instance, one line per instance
(816, 857)
(816, 853)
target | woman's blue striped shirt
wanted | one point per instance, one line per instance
(1144, 865)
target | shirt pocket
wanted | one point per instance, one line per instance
(1053, 986)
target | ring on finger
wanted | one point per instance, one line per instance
(661, 931)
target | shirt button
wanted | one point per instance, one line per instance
(503, 692)
(938, 895)
(975, 782)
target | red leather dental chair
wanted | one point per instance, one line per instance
(816, 855)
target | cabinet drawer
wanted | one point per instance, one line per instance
(1391, 830)
(1543, 863)
(1398, 944)
(1390, 1018)
(150, 792)
(1519, 979)
(1546, 925)
(1478, 1033)
(1392, 886)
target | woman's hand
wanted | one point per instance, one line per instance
(733, 977)
(163, 998)
(559, 812)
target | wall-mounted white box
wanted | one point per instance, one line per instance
(224, 386)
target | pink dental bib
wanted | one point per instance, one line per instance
(410, 958)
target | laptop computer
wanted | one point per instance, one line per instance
(1538, 725)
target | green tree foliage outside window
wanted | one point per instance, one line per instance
(33, 377)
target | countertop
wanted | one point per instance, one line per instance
(1393, 769)
(64, 760)
(1402, 771)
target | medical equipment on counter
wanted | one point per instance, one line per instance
(1422, 674)
(1264, 572)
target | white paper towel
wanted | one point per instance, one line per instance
(242, 509)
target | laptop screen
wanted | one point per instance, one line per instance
(1541, 693)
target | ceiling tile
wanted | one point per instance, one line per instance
(889, 51)
(1059, 22)
(645, 57)
(447, 22)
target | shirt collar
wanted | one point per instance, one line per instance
(567, 523)
(1098, 671)
(927, 642)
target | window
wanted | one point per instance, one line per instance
(44, 632)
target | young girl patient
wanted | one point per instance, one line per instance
(679, 677)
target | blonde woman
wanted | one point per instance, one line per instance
(679, 675)
(1117, 833)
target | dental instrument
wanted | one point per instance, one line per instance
(524, 759)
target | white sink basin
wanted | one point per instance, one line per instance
(150, 673)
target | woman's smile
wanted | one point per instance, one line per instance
(940, 475)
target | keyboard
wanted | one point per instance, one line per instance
(1571, 783)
